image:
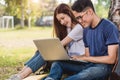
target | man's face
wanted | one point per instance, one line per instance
(83, 18)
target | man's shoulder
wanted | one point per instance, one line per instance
(108, 25)
(107, 22)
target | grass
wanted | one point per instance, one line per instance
(12, 57)
(16, 47)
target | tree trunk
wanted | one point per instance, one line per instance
(22, 14)
(114, 12)
(114, 16)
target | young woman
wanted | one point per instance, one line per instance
(68, 30)
(64, 20)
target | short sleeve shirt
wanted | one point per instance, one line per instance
(97, 39)
(76, 47)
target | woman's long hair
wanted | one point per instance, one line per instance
(60, 31)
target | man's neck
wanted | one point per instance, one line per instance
(95, 21)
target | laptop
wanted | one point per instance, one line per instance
(51, 49)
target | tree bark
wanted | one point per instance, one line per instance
(114, 12)
(22, 14)
(114, 16)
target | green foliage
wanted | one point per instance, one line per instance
(102, 8)
(12, 7)
(2, 9)
(102, 12)
(29, 8)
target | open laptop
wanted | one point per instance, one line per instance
(51, 49)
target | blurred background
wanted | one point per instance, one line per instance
(22, 21)
(40, 12)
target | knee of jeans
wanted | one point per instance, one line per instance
(55, 63)
(37, 52)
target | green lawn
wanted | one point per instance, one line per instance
(16, 47)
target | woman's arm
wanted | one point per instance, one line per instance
(75, 34)
(66, 40)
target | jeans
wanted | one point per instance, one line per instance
(82, 71)
(35, 62)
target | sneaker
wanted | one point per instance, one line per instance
(15, 77)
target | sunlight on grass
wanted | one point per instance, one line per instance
(12, 57)
(16, 47)
(27, 33)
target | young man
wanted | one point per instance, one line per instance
(100, 35)
(101, 41)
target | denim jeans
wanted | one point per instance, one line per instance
(35, 62)
(83, 71)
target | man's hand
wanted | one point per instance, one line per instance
(75, 57)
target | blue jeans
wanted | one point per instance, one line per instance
(82, 71)
(35, 62)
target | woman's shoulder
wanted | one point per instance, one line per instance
(78, 26)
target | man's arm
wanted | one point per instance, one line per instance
(108, 59)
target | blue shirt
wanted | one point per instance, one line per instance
(97, 39)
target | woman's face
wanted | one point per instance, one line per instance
(64, 19)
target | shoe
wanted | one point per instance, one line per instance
(15, 77)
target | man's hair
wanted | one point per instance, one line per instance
(80, 5)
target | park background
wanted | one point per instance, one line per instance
(32, 20)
